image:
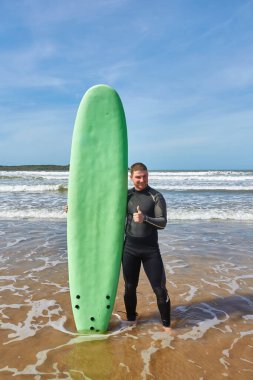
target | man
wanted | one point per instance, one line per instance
(146, 214)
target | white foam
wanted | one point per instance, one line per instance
(13, 288)
(28, 327)
(189, 177)
(8, 278)
(210, 283)
(146, 354)
(232, 283)
(227, 267)
(202, 327)
(190, 294)
(190, 206)
(62, 289)
(246, 333)
(206, 187)
(226, 352)
(31, 188)
(214, 214)
(5, 306)
(34, 174)
(15, 242)
(207, 173)
(171, 267)
(248, 317)
(47, 263)
(125, 366)
(41, 356)
(32, 214)
(164, 338)
(164, 341)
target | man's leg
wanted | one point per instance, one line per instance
(154, 269)
(131, 269)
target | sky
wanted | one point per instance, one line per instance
(183, 70)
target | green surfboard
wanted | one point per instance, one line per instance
(97, 195)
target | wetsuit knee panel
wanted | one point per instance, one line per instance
(161, 295)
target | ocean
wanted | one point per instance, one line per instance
(207, 253)
(195, 195)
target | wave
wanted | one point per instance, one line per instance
(64, 187)
(33, 175)
(208, 173)
(210, 215)
(32, 189)
(201, 178)
(153, 174)
(158, 186)
(203, 188)
(32, 214)
(173, 215)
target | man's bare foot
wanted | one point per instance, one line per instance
(131, 323)
(169, 331)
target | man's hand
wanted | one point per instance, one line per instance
(138, 216)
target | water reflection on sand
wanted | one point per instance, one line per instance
(210, 281)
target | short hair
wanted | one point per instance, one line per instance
(137, 166)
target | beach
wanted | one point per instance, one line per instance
(208, 264)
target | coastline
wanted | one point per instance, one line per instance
(34, 168)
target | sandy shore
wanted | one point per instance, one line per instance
(210, 282)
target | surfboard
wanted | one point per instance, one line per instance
(97, 195)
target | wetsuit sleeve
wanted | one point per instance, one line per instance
(160, 219)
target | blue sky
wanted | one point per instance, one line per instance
(183, 69)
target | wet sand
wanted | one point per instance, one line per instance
(210, 282)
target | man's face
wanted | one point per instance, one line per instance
(140, 179)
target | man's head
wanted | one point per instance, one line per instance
(139, 176)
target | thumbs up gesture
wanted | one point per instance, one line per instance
(138, 216)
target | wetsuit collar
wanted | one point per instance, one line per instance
(141, 191)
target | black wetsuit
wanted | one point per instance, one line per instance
(141, 246)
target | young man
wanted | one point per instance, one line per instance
(146, 213)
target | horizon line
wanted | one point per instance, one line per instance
(66, 167)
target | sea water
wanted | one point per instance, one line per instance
(207, 254)
(195, 195)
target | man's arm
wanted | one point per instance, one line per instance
(160, 210)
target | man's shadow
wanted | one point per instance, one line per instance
(191, 314)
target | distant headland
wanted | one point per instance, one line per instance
(57, 168)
